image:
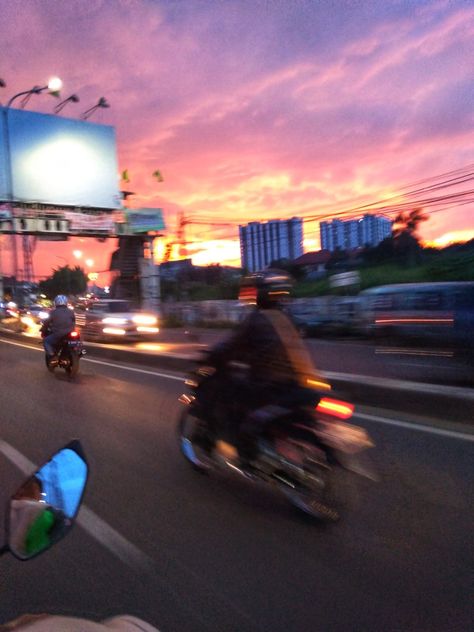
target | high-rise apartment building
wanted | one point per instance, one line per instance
(354, 233)
(261, 243)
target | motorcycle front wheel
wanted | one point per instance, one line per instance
(48, 365)
(188, 429)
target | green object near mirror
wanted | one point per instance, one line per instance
(43, 509)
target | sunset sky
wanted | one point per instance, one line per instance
(256, 109)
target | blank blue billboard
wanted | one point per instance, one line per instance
(58, 161)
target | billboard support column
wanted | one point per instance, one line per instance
(150, 286)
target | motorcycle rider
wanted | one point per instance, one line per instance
(280, 373)
(61, 322)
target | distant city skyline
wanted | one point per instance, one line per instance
(264, 242)
(368, 230)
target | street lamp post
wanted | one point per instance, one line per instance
(54, 87)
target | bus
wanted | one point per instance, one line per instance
(427, 313)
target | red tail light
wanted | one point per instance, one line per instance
(74, 334)
(335, 408)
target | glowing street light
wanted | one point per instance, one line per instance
(77, 253)
(89, 263)
(53, 87)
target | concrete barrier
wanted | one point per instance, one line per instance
(446, 403)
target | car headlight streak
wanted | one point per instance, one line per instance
(114, 320)
(144, 319)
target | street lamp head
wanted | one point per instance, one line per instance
(101, 103)
(54, 86)
(73, 99)
(2, 83)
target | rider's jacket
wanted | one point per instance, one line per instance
(269, 343)
(61, 320)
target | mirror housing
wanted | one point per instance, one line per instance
(43, 510)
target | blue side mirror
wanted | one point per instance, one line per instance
(44, 508)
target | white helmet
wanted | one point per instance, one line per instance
(60, 300)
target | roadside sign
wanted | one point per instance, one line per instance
(344, 279)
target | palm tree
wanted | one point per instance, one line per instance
(405, 234)
(408, 222)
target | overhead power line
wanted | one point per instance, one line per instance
(410, 196)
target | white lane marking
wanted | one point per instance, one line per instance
(112, 540)
(112, 364)
(20, 344)
(97, 528)
(462, 436)
(136, 370)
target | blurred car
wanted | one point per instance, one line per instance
(112, 319)
(37, 312)
(338, 318)
(309, 324)
(11, 310)
(31, 318)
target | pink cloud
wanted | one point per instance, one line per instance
(256, 110)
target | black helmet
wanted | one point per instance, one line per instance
(266, 289)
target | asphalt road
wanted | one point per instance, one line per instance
(191, 553)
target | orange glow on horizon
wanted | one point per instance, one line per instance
(454, 237)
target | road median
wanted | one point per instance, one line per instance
(449, 403)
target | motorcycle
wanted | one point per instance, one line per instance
(69, 351)
(309, 453)
(40, 514)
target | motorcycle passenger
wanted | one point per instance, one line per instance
(61, 322)
(280, 373)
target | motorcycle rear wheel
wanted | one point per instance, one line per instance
(312, 505)
(322, 499)
(73, 366)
